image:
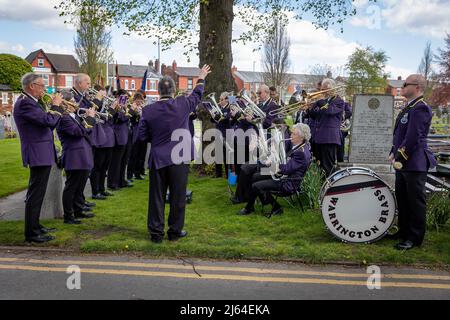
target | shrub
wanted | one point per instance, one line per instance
(312, 183)
(438, 207)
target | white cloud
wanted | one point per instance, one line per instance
(412, 16)
(6, 47)
(40, 13)
(398, 71)
(52, 48)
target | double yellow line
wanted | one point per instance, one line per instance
(232, 273)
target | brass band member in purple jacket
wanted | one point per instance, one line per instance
(36, 127)
(138, 147)
(298, 161)
(77, 160)
(117, 168)
(328, 113)
(103, 150)
(412, 159)
(159, 121)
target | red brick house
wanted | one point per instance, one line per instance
(58, 70)
(185, 77)
(131, 78)
(7, 99)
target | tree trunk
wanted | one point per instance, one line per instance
(216, 26)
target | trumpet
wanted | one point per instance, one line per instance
(251, 108)
(47, 99)
(94, 93)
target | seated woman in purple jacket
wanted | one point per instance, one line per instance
(298, 161)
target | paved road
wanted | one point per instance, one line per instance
(44, 276)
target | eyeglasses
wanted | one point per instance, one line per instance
(38, 84)
(409, 84)
(259, 92)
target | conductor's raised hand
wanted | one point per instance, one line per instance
(204, 72)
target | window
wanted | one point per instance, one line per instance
(16, 96)
(4, 98)
(46, 79)
(133, 85)
(153, 85)
(40, 62)
(190, 84)
(69, 81)
(126, 84)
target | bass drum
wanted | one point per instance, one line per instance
(357, 205)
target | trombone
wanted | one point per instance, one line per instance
(309, 100)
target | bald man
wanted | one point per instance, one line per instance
(413, 160)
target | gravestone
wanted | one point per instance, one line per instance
(372, 134)
(52, 206)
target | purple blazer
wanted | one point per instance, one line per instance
(328, 128)
(35, 128)
(110, 138)
(121, 129)
(295, 169)
(160, 119)
(410, 134)
(269, 106)
(76, 145)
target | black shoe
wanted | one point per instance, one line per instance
(275, 212)
(89, 204)
(245, 211)
(156, 239)
(86, 209)
(98, 197)
(45, 230)
(40, 239)
(72, 221)
(182, 234)
(235, 200)
(138, 177)
(406, 245)
(84, 215)
(107, 194)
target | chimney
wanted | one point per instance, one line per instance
(131, 63)
(234, 69)
(163, 69)
(157, 66)
(329, 75)
(174, 66)
(399, 78)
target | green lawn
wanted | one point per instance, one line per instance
(13, 176)
(215, 231)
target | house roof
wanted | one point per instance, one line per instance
(5, 87)
(187, 71)
(60, 62)
(133, 71)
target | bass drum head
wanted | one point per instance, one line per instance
(358, 207)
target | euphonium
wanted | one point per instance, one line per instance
(215, 108)
(251, 108)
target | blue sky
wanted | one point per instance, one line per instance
(401, 28)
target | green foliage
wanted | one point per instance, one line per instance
(438, 210)
(366, 71)
(312, 183)
(12, 68)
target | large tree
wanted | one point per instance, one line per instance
(276, 62)
(12, 68)
(92, 42)
(441, 92)
(425, 67)
(210, 21)
(366, 68)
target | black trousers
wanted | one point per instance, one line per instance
(102, 159)
(411, 201)
(124, 163)
(73, 192)
(327, 157)
(341, 148)
(262, 186)
(142, 154)
(114, 167)
(245, 180)
(135, 160)
(37, 185)
(175, 178)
